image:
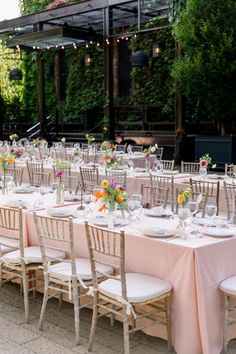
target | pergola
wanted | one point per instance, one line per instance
(91, 21)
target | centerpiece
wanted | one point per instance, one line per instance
(17, 151)
(147, 152)
(111, 196)
(106, 145)
(183, 211)
(109, 159)
(13, 138)
(6, 161)
(204, 162)
(60, 167)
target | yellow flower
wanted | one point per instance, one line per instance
(180, 198)
(119, 191)
(119, 199)
(105, 129)
(1, 159)
(105, 183)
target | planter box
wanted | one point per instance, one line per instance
(222, 149)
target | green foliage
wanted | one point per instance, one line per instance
(206, 73)
(11, 91)
(154, 85)
(85, 89)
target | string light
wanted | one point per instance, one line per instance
(48, 47)
(91, 42)
(56, 46)
(74, 45)
(118, 40)
(127, 38)
(38, 47)
(87, 45)
(34, 47)
(135, 36)
(62, 47)
(98, 44)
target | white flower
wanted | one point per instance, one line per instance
(153, 148)
(156, 146)
(63, 140)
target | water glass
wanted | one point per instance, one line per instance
(193, 207)
(211, 210)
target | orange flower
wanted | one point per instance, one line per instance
(119, 199)
(105, 129)
(103, 207)
(97, 195)
(10, 160)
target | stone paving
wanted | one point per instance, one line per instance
(57, 337)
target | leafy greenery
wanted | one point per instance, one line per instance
(154, 85)
(206, 73)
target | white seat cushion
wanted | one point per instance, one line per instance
(32, 255)
(140, 287)
(62, 270)
(229, 285)
(8, 244)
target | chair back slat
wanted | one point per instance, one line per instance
(209, 190)
(107, 247)
(190, 167)
(118, 176)
(165, 182)
(168, 164)
(89, 178)
(154, 196)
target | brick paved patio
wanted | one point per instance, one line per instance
(17, 337)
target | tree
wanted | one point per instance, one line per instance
(206, 73)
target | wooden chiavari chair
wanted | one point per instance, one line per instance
(154, 196)
(165, 182)
(118, 176)
(89, 178)
(210, 191)
(189, 167)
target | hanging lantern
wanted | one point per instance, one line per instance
(88, 60)
(140, 59)
(156, 50)
(15, 74)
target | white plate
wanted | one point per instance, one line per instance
(158, 212)
(72, 198)
(141, 174)
(23, 190)
(158, 232)
(139, 169)
(217, 232)
(169, 172)
(208, 222)
(59, 213)
(102, 220)
(215, 177)
(15, 204)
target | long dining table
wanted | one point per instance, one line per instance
(194, 266)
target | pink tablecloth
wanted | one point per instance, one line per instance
(195, 267)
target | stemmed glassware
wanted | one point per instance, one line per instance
(135, 205)
(211, 211)
(87, 199)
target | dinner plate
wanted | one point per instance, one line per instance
(141, 174)
(59, 213)
(215, 176)
(169, 172)
(139, 169)
(102, 220)
(15, 204)
(158, 212)
(208, 222)
(72, 198)
(158, 232)
(218, 232)
(24, 190)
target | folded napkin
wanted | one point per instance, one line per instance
(59, 212)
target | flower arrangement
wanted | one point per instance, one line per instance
(63, 141)
(60, 166)
(113, 194)
(39, 142)
(6, 161)
(110, 159)
(205, 160)
(90, 138)
(148, 151)
(13, 137)
(106, 145)
(17, 151)
(57, 3)
(184, 197)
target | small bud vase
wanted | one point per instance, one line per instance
(60, 193)
(4, 183)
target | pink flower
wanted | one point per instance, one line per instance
(59, 173)
(203, 163)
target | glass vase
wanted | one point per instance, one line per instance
(203, 171)
(111, 216)
(60, 193)
(147, 165)
(183, 215)
(4, 183)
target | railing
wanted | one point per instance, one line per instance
(34, 131)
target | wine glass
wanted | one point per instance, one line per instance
(158, 166)
(134, 204)
(130, 164)
(193, 207)
(211, 211)
(129, 149)
(87, 198)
